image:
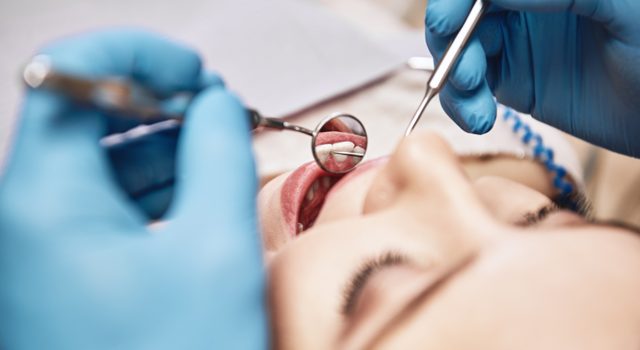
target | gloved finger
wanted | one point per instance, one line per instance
(56, 167)
(145, 170)
(474, 112)
(510, 73)
(58, 143)
(163, 66)
(489, 33)
(215, 178)
(445, 17)
(470, 70)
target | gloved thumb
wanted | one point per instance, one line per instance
(215, 175)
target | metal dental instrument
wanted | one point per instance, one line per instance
(352, 154)
(449, 59)
(128, 99)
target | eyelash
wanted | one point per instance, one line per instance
(531, 219)
(364, 272)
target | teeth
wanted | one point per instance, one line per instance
(312, 190)
(310, 194)
(322, 151)
(357, 160)
(345, 146)
(300, 227)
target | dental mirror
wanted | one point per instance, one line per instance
(339, 143)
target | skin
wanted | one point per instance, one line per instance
(473, 277)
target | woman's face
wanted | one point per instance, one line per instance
(410, 253)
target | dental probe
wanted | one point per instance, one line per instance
(345, 153)
(449, 59)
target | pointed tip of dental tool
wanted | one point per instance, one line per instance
(428, 96)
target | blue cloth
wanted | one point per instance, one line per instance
(574, 64)
(80, 269)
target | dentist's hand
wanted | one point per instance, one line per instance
(80, 269)
(574, 64)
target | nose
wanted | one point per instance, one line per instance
(425, 175)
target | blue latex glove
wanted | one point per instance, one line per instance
(145, 169)
(79, 267)
(574, 64)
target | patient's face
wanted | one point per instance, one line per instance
(410, 253)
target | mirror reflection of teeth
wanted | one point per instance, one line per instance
(344, 146)
(323, 151)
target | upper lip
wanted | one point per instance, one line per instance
(324, 138)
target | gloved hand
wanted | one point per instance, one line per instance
(574, 64)
(80, 269)
(145, 170)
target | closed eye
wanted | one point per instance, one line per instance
(368, 269)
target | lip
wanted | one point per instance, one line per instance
(298, 183)
(327, 137)
(294, 190)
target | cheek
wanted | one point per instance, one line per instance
(272, 225)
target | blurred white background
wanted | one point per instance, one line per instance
(28, 24)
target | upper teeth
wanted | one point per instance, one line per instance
(344, 146)
(323, 151)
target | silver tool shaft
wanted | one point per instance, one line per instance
(352, 154)
(448, 61)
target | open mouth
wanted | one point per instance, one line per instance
(303, 195)
(305, 190)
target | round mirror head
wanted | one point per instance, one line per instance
(339, 143)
